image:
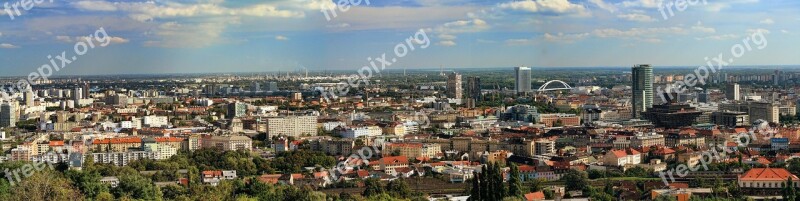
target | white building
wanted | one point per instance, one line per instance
(295, 126)
(155, 121)
(622, 157)
(122, 158)
(365, 131)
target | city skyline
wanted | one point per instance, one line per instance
(247, 36)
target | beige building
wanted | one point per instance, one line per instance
(413, 150)
(757, 110)
(294, 126)
(647, 140)
(228, 143)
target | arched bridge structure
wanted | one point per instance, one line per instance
(546, 84)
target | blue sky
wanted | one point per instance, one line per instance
(188, 36)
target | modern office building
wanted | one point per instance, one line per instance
(28, 96)
(273, 86)
(255, 87)
(672, 115)
(236, 109)
(642, 86)
(294, 126)
(86, 89)
(522, 82)
(8, 115)
(730, 118)
(77, 95)
(732, 92)
(473, 91)
(767, 111)
(454, 86)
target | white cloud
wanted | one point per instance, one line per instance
(784, 31)
(279, 37)
(8, 46)
(638, 32)
(565, 38)
(754, 31)
(604, 5)
(523, 41)
(699, 27)
(340, 25)
(547, 6)
(75, 39)
(146, 11)
(65, 39)
(651, 34)
(447, 43)
(447, 37)
(717, 6)
(177, 35)
(1, 34)
(118, 40)
(767, 21)
(636, 17)
(95, 5)
(463, 26)
(719, 37)
(641, 3)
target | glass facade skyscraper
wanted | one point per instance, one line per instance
(642, 77)
(523, 79)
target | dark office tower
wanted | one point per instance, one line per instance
(273, 86)
(86, 91)
(776, 79)
(474, 87)
(473, 91)
(642, 77)
(255, 87)
(732, 92)
(703, 97)
(522, 79)
(454, 86)
(236, 109)
(28, 98)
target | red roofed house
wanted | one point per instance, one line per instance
(388, 164)
(213, 177)
(618, 157)
(774, 178)
(539, 195)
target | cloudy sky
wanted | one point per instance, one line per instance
(180, 36)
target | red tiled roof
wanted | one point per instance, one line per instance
(269, 178)
(168, 139)
(362, 173)
(56, 143)
(392, 160)
(679, 185)
(118, 140)
(212, 173)
(539, 195)
(526, 168)
(406, 145)
(619, 153)
(767, 174)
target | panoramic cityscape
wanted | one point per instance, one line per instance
(411, 100)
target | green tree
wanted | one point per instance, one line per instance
(575, 180)
(88, 182)
(476, 192)
(372, 187)
(514, 182)
(398, 188)
(45, 185)
(137, 187)
(789, 192)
